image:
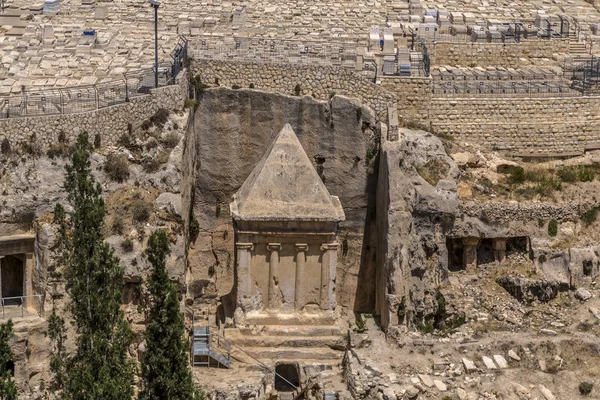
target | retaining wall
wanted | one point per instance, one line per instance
(316, 80)
(470, 54)
(110, 122)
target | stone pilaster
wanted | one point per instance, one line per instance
(273, 274)
(470, 254)
(28, 266)
(300, 289)
(244, 280)
(328, 267)
(499, 246)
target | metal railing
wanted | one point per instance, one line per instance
(78, 99)
(20, 301)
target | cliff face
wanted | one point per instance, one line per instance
(232, 130)
(417, 204)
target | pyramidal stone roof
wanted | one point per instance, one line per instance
(285, 186)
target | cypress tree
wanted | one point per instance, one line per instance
(8, 389)
(166, 372)
(99, 368)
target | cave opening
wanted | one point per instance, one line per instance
(11, 274)
(455, 254)
(485, 251)
(286, 377)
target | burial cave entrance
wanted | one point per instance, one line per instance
(455, 254)
(517, 244)
(286, 377)
(11, 274)
(485, 251)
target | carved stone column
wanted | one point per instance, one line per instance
(28, 265)
(328, 267)
(244, 280)
(273, 274)
(300, 289)
(499, 245)
(470, 254)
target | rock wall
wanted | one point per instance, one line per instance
(110, 122)
(315, 80)
(510, 55)
(414, 97)
(233, 129)
(413, 218)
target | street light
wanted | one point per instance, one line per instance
(155, 4)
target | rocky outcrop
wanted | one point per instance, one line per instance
(417, 203)
(529, 290)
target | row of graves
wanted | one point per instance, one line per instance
(501, 82)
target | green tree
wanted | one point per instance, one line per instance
(8, 389)
(166, 371)
(99, 367)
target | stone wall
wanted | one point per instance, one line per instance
(315, 80)
(110, 122)
(470, 54)
(413, 97)
(521, 126)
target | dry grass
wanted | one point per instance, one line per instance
(433, 171)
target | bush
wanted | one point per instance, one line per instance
(517, 176)
(189, 103)
(153, 164)
(585, 388)
(196, 83)
(117, 226)
(5, 146)
(159, 119)
(117, 167)
(140, 210)
(297, 89)
(568, 174)
(59, 149)
(251, 86)
(97, 141)
(542, 259)
(552, 228)
(235, 87)
(127, 141)
(194, 229)
(127, 245)
(331, 95)
(590, 215)
(171, 140)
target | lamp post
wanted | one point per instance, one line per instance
(155, 4)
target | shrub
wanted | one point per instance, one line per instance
(331, 95)
(117, 226)
(517, 176)
(251, 86)
(211, 271)
(189, 103)
(585, 388)
(140, 210)
(235, 87)
(171, 140)
(97, 141)
(360, 326)
(196, 83)
(586, 174)
(568, 174)
(590, 215)
(59, 149)
(160, 118)
(433, 171)
(588, 267)
(153, 164)
(297, 89)
(127, 245)
(5, 146)
(61, 137)
(194, 230)
(542, 259)
(552, 228)
(127, 141)
(117, 167)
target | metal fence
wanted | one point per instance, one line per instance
(19, 302)
(77, 99)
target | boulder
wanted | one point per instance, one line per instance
(528, 290)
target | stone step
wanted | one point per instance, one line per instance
(290, 319)
(337, 342)
(290, 354)
(292, 330)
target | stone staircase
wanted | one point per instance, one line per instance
(577, 48)
(309, 340)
